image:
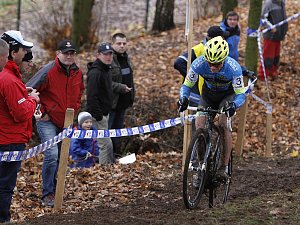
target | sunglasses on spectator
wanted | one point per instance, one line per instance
(215, 64)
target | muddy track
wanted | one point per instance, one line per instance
(252, 179)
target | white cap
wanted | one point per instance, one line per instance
(16, 38)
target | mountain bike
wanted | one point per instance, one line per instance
(202, 161)
(204, 157)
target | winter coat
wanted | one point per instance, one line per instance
(79, 149)
(16, 107)
(180, 64)
(274, 12)
(59, 89)
(117, 85)
(99, 89)
(233, 39)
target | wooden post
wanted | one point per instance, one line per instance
(63, 161)
(189, 31)
(241, 130)
(269, 134)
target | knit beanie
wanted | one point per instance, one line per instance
(83, 116)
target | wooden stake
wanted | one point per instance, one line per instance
(269, 135)
(241, 130)
(188, 125)
(63, 162)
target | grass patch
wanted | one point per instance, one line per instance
(274, 208)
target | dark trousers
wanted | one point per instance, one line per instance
(116, 121)
(8, 179)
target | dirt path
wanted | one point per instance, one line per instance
(263, 191)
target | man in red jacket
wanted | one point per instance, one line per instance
(60, 84)
(16, 111)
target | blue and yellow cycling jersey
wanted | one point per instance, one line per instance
(230, 76)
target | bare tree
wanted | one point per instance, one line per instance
(164, 15)
(228, 5)
(82, 14)
(251, 46)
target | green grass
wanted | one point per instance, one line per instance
(275, 208)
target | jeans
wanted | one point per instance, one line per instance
(8, 179)
(106, 155)
(116, 121)
(48, 130)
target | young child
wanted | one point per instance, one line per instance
(84, 152)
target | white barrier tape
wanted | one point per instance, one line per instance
(29, 153)
(295, 16)
(263, 65)
(82, 134)
(267, 105)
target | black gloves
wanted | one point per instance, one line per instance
(230, 109)
(182, 104)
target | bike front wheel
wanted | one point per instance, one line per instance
(219, 190)
(194, 174)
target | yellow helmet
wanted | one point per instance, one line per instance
(216, 50)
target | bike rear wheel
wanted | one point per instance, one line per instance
(194, 174)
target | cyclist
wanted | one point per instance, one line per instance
(180, 63)
(223, 82)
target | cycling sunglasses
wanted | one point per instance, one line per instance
(215, 64)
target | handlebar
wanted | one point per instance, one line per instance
(208, 109)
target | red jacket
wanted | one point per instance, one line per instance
(16, 107)
(59, 89)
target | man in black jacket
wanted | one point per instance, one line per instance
(123, 86)
(99, 97)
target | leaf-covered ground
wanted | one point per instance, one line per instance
(265, 191)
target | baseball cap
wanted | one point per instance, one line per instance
(14, 38)
(105, 47)
(215, 31)
(65, 46)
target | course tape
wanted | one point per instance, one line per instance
(267, 105)
(257, 33)
(295, 16)
(254, 33)
(82, 134)
(31, 152)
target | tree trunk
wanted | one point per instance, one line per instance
(228, 5)
(251, 45)
(164, 15)
(82, 14)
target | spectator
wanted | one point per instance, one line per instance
(273, 12)
(84, 151)
(231, 25)
(99, 97)
(181, 62)
(60, 84)
(16, 111)
(122, 84)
